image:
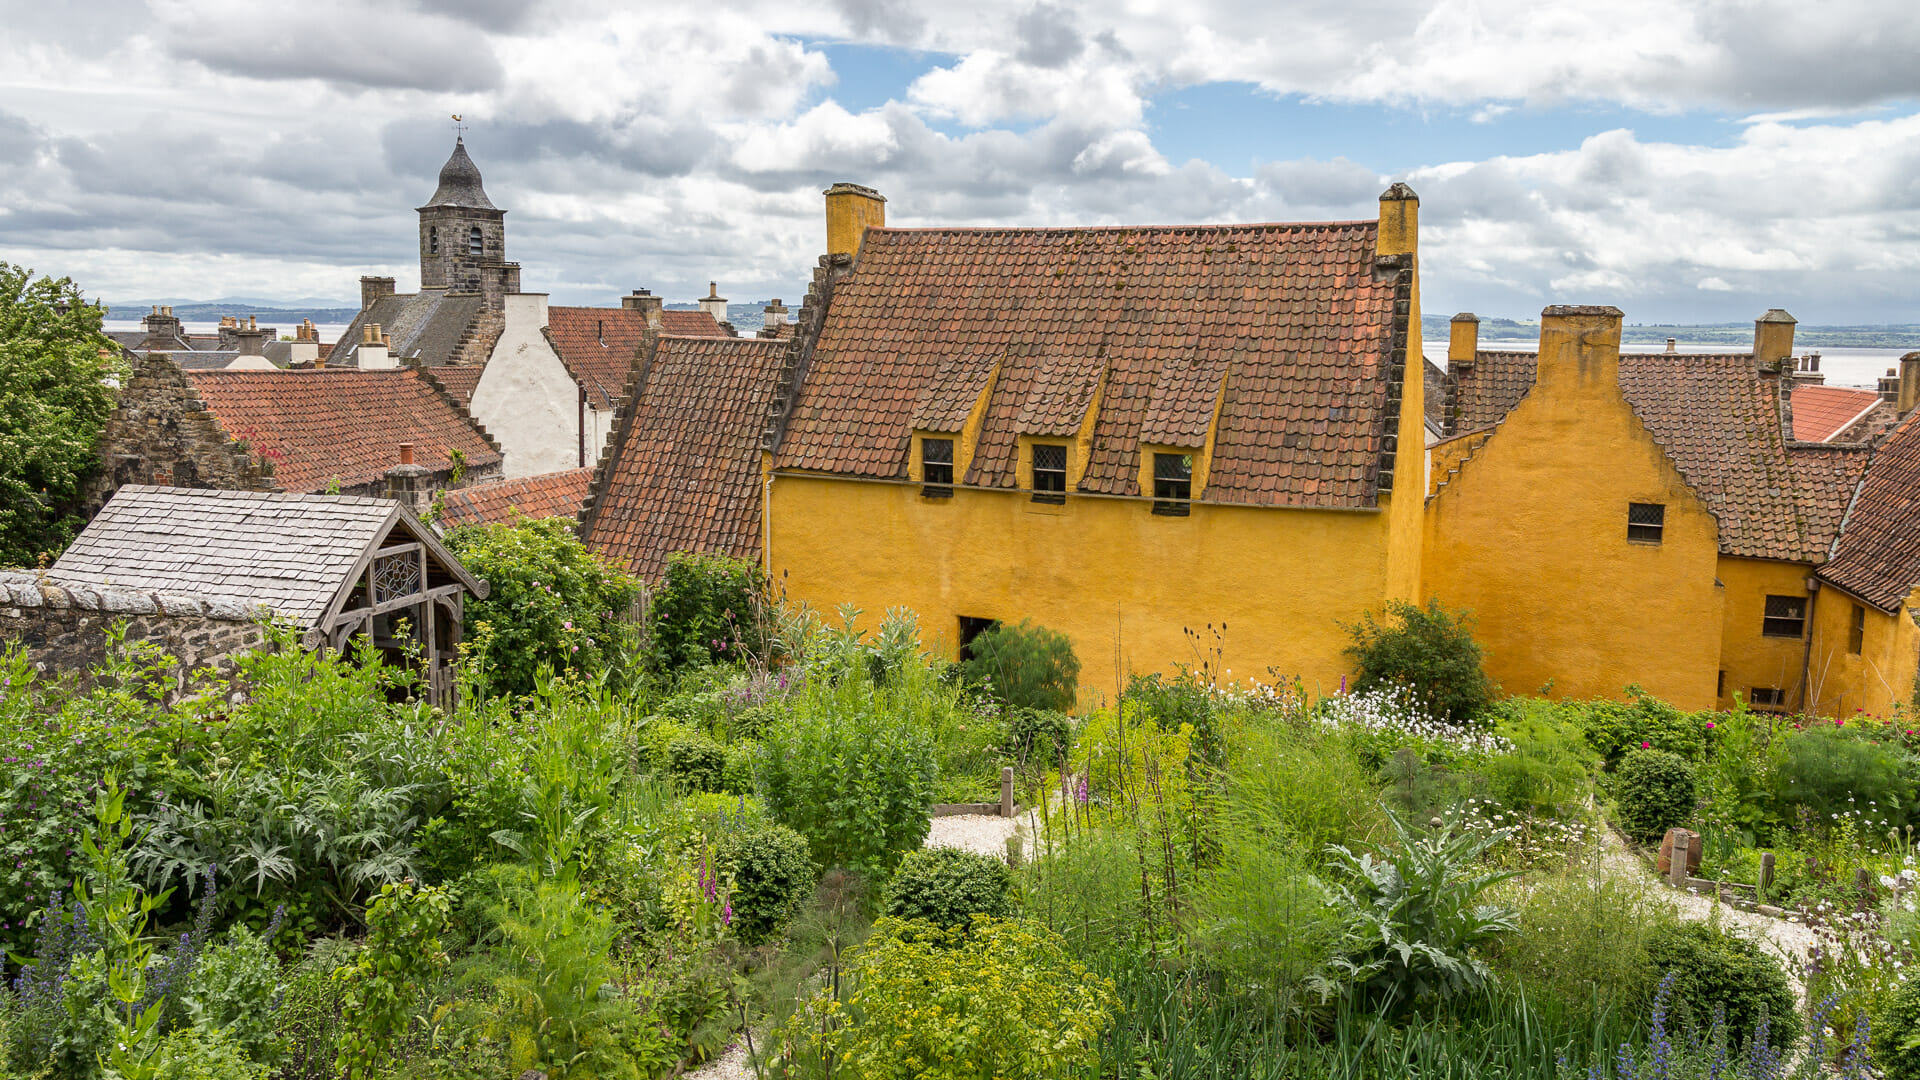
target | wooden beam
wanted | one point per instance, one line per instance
(410, 600)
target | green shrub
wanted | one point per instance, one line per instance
(1896, 1034)
(948, 887)
(1614, 728)
(1583, 937)
(737, 776)
(1829, 771)
(1026, 666)
(1548, 769)
(858, 786)
(206, 1054)
(1038, 736)
(1716, 969)
(1181, 699)
(230, 990)
(1430, 651)
(751, 721)
(772, 874)
(1654, 791)
(695, 762)
(705, 610)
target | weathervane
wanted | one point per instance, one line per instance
(459, 128)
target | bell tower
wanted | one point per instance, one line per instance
(463, 236)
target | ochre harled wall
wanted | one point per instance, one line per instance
(1881, 675)
(1399, 235)
(1531, 535)
(1121, 582)
(1749, 657)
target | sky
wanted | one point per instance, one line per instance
(1686, 162)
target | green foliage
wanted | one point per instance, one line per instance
(1428, 650)
(552, 604)
(916, 1008)
(197, 1053)
(1583, 935)
(380, 985)
(1654, 791)
(695, 762)
(1416, 922)
(1183, 700)
(1717, 970)
(948, 887)
(230, 991)
(1896, 1034)
(1550, 767)
(772, 875)
(111, 980)
(1830, 771)
(1037, 736)
(1026, 666)
(705, 610)
(54, 402)
(1615, 728)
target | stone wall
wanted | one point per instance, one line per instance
(64, 626)
(162, 433)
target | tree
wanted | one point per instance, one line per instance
(1430, 651)
(55, 397)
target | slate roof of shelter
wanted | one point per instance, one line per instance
(428, 325)
(334, 424)
(1821, 412)
(684, 471)
(1878, 556)
(600, 345)
(204, 360)
(1291, 319)
(289, 552)
(554, 494)
(458, 380)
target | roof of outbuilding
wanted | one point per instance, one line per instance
(427, 325)
(1288, 329)
(333, 424)
(290, 552)
(684, 471)
(554, 494)
(1878, 556)
(203, 360)
(1822, 412)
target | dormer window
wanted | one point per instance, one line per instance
(1049, 473)
(433, 240)
(1172, 484)
(476, 243)
(936, 468)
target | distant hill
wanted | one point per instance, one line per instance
(197, 311)
(1435, 329)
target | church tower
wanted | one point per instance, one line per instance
(463, 236)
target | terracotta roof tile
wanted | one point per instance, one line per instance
(1484, 392)
(1296, 313)
(600, 345)
(1878, 556)
(684, 473)
(554, 494)
(340, 424)
(458, 380)
(1821, 412)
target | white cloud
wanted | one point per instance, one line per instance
(1714, 284)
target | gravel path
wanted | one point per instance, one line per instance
(731, 1065)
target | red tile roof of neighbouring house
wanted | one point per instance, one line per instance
(600, 345)
(1821, 412)
(1878, 556)
(458, 380)
(339, 425)
(1289, 329)
(554, 494)
(684, 470)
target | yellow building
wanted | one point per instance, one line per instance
(1160, 441)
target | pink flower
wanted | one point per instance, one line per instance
(1645, 745)
(1709, 725)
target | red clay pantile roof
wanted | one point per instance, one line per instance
(339, 424)
(1821, 412)
(554, 494)
(599, 345)
(684, 472)
(1878, 556)
(1485, 392)
(1295, 313)
(458, 380)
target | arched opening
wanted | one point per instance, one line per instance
(433, 240)
(476, 244)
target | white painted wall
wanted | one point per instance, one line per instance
(526, 399)
(251, 363)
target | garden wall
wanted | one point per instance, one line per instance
(63, 626)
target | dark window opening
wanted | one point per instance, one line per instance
(971, 628)
(936, 467)
(1857, 630)
(476, 243)
(1786, 616)
(1646, 522)
(1766, 697)
(433, 240)
(1172, 483)
(1049, 473)
(1720, 688)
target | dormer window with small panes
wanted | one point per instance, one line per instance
(1049, 473)
(936, 468)
(1172, 484)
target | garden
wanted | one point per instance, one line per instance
(641, 845)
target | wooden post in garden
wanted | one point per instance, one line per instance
(1677, 867)
(1766, 871)
(1006, 791)
(1863, 880)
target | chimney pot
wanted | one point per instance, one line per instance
(713, 303)
(1671, 343)
(406, 453)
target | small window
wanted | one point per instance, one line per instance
(1645, 522)
(1049, 473)
(936, 467)
(476, 243)
(1766, 697)
(433, 240)
(1786, 616)
(970, 628)
(1720, 688)
(1857, 630)
(1172, 483)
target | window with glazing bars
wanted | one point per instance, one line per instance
(1766, 697)
(1049, 473)
(1646, 521)
(1857, 630)
(1172, 483)
(1786, 616)
(936, 467)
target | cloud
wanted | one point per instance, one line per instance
(372, 46)
(1714, 284)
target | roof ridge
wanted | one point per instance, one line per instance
(1368, 223)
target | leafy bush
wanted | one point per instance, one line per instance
(1829, 771)
(736, 777)
(1180, 700)
(206, 1054)
(552, 604)
(857, 785)
(1716, 970)
(705, 610)
(379, 985)
(1583, 936)
(1654, 791)
(916, 1007)
(1896, 1034)
(1550, 765)
(948, 887)
(1430, 651)
(1614, 728)
(1028, 666)
(695, 762)
(772, 874)
(232, 990)
(1040, 736)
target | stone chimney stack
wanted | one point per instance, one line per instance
(774, 319)
(1464, 344)
(647, 304)
(1890, 386)
(1909, 383)
(248, 338)
(373, 353)
(713, 303)
(1672, 345)
(1399, 221)
(409, 484)
(850, 210)
(161, 324)
(1773, 339)
(306, 344)
(372, 289)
